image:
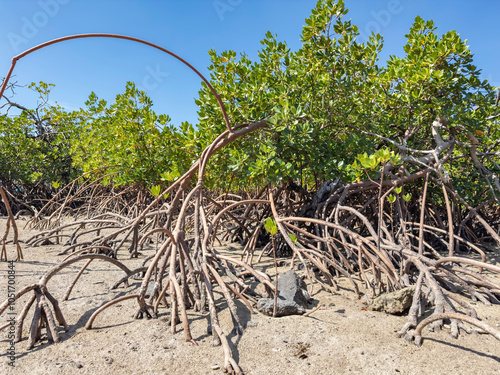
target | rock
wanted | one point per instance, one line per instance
(108, 360)
(76, 364)
(150, 289)
(395, 302)
(259, 290)
(292, 298)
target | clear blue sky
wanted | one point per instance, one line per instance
(190, 28)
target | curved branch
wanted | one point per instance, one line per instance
(116, 36)
(485, 327)
(468, 261)
(23, 291)
(104, 307)
(45, 279)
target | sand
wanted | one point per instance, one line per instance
(340, 337)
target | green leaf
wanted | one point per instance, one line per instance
(155, 190)
(270, 226)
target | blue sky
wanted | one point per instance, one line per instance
(190, 28)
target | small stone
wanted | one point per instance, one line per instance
(292, 296)
(77, 365)
(215, 367)
(260, 290)
(108, 361)
(395, 302)
(150, 289)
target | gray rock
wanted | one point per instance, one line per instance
(395, 302)
(260, 291)
(292, 298)
(150, 289)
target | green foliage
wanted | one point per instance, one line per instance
(155, 190)
(319, 98)
(323, 102)
(373, 162)
(35, 147)
(142, 147)
(138, 147)
(270, 226)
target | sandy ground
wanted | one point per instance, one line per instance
(339, 338)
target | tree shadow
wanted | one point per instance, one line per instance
(245, 317)
(43, 343)
(481, 354)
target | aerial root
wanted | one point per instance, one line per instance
(90, 322)
(47, 310)
(43, 316)
(10, 221)
(144, 309)
(124, 279)
(347, 232)
(70, 288)
(417, 334)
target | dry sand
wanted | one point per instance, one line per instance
(339, 338)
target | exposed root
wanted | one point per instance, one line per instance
(10, 221)
(417, 334)
(342, 230)
(90, 322)
(43, 314)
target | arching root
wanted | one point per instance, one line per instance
(417, 334)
